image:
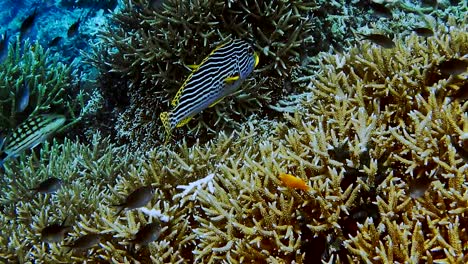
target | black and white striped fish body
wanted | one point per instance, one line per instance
(220, 74)
(29, 134)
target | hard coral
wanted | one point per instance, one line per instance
(145, 52)
(395, 106)
(371, 123)
(358, 151)
(85, 171)
(29, 66)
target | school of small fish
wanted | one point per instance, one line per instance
(56, 232)
(382, 10)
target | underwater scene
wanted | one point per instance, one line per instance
(234, 131)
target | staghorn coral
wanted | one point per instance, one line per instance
(142, 56)
(400, 115)
(371, 122)
(50, 83)
(353, 139)
(85, 170)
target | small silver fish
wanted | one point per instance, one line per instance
(48, 186)
(218, 75)
(22, 97)
(419, 186)
(379, 39)
(28, 23)
(453, 66)
(54, 233)
(147, 234)
(85, 242)
(138, 198)
(29, 134)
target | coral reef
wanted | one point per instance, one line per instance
(29, 66)
(53, 87)
(378, 134)
(85, 171)
(142, 57)
(399, 121)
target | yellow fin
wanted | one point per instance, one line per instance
(217, 101)
(184, 122)
(192, 67)
(230, 80)
(175, 100)
(257, 59)
(166, 124)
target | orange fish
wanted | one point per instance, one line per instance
(293, 181)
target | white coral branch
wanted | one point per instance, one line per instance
(196, 186)
(155, 213)
(364, 126)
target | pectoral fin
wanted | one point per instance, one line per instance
(184, 121)
(257, 59)
(231, 80)
(192, 67)
(217, 101)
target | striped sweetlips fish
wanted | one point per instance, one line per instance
(29, 134)
(218, 75)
